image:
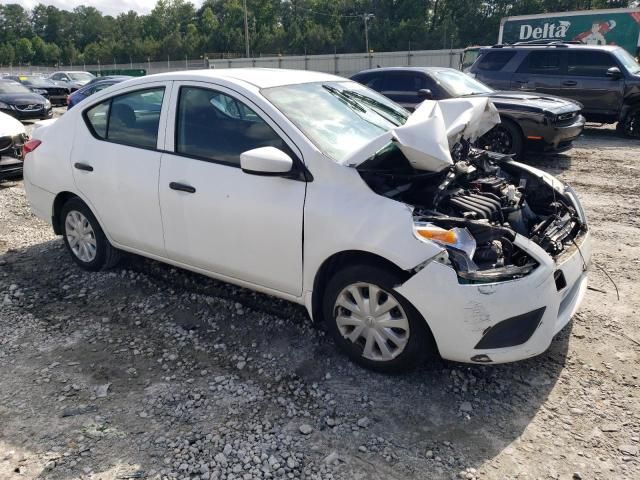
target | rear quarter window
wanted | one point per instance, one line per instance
(130, 119)
(495, 61)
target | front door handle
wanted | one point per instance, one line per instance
(182, 187)
(570, 83)
(83, 166)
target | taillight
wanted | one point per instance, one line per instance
(29, 146)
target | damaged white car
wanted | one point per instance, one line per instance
(390, 228)
(12, 137)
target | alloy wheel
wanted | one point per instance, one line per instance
(498, 140)
(80, 236)
(372, 318)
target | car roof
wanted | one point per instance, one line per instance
(407, 69)
(560, 46)
(258, 77)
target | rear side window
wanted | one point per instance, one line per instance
(589, 64)
(543, 62)
(131, 119)
(214, 126)
(97, 117)
(495, 60)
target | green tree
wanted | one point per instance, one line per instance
(24, 50)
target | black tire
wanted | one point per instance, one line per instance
(106, 256)
(505, 137)
(420, 343)
(629, 126)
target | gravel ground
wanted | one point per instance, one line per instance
(147, 371)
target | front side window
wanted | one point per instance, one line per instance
(404, 82)
(211, 125)
(589, 64)
(544, 62)
(131, 119)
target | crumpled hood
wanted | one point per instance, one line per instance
(9, 126)
(429, 133)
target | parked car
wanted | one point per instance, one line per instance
(56, 94)
(530, 122)
(12, 138)
(107, 77)
(72, 79)
(604, 79)
(20, 102)
(93, 87)
(350, 207)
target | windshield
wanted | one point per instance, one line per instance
(80, 76)
(460, 84)
(338, 117)
(35, 81)
(627, 60)
(13, 87)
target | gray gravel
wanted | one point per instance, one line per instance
(147, 371)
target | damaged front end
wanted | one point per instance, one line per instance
(473, 202)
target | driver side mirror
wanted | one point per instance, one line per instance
(425, 93)
(614, 73)
(268, 161)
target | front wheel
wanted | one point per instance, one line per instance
(84, 238)
(630, 124)
(503, 138)
(373, 324)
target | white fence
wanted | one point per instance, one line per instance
(345, 64)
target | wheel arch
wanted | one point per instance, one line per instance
(58, 203)
(341, 260)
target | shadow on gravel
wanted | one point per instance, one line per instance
(146, 327)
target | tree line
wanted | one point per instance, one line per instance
(176, 29)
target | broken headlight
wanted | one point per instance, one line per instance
(460, 248)
(458, 238)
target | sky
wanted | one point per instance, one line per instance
(108, 7)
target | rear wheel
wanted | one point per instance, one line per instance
(84, 238)
(630, 124)
(503, 138)
(373, 324)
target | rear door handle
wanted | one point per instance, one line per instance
(182, 187)
(83, 166)
(570, 83)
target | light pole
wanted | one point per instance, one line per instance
(246, 30)
(367, 17)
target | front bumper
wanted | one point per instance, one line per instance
(39, 114)
(460, 315)
(554, 138)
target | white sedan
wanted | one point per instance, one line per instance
(388, 227)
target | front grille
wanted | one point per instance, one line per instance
(33, 107)
(12, 145)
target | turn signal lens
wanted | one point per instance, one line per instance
(438, 234)
(458, 238)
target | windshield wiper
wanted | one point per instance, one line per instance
(344, 98)
(376, 104)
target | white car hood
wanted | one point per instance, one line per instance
(9, 126)
(431, 131)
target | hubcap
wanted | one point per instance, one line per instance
(80, 235)
(372, 318)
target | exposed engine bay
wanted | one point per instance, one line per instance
(488, 195)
